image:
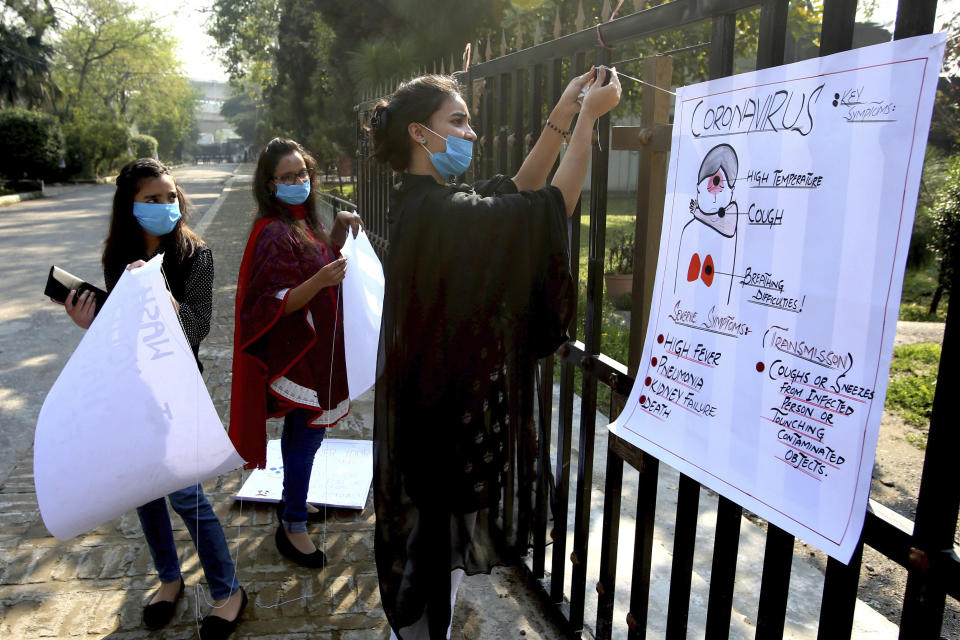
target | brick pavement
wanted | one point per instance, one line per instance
(95, 585)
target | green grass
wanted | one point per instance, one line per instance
(334, 188)
(614, 335)
(913, 380)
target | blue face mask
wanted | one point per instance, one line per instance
(455, 159)
(293, 193)
(156, 219)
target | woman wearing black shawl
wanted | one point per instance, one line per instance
(477, 288)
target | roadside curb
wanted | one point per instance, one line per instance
(14, 198)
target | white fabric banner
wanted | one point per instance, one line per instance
(791, 194)
(341, 476)
(362, 308)
(129, 419)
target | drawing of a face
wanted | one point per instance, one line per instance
(717, 209)
(714, 193)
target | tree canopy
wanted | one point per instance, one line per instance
(115, 65)
(305, 64)
(24, 56)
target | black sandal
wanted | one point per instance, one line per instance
(217, 628)
(158, 614)
(315, 560)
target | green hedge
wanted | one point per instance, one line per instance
(144, 146)
(31, 144)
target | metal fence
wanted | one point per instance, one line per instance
(508, 96)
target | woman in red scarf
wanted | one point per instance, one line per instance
(288, 341)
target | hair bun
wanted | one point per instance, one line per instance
(378, 120)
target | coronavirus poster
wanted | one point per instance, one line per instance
(790, 203)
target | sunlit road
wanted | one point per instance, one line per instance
(36, 336)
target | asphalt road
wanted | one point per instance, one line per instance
(36, 336)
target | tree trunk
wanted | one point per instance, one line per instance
(936, 300)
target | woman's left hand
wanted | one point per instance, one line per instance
(568, 100)
(135, 265)
(349, 220)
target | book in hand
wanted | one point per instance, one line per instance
(60, 283)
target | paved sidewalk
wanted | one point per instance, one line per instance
(95, 585)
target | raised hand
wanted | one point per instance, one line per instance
(602, 98)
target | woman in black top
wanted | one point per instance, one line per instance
(477, 288)
(147, 220)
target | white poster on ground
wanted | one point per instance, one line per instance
(341, 475)
(129, 419)
(790, 202)
(362, 308)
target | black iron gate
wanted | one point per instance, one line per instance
(508, 96)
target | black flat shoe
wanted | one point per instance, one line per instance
(217, 628)
(311, 517)
(315, 560)
(158, 614)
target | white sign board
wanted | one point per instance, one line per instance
(362, 308)
(129, 419)
(341, 475)
(791, 194)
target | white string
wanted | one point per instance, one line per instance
(621, 73)
(326, 476)
(198, 591)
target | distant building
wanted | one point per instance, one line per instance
(217, 141)
(214, 128)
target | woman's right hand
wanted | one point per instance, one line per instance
(83, 312)
(600, 99)
(332, 274)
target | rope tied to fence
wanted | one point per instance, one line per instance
(610, 19)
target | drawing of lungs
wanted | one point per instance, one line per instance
(693, 271)
(701, 270)
(706, 273)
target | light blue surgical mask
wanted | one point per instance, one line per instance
(156, 218)
(455, 159)
(293, 193)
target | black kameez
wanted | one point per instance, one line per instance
(477, 288)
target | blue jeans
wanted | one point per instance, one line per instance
(204, 528)
(298, 445)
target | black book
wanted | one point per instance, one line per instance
(60, 283)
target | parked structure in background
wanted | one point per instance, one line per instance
(217, 142)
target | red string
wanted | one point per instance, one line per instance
(612, 16)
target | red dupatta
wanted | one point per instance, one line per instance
(251, 378)
(248, 400)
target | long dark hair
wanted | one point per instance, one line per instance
(414, 101)
(125, 242)
(267, 204)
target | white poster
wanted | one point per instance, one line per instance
(362, 308)
(341, 475)
(790, 201)
(129, 419)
